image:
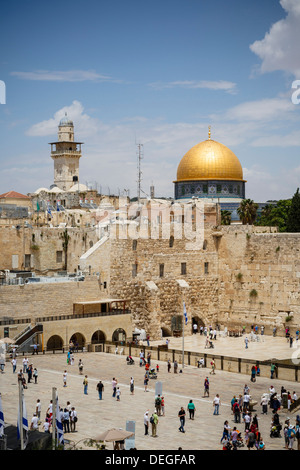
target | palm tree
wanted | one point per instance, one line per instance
(247, 211)
(225, 217)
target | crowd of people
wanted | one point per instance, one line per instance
(243, 432)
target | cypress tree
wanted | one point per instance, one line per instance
(293, 222)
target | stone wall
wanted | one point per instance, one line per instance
(46, 299)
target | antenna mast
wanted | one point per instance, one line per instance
(140, 157)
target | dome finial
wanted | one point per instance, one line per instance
(209, 132)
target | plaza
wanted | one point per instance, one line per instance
(96, 416)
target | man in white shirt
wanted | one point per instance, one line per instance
(247, 420)
(146, 422)
(34, 423)
(246, 400)
(25, 364)
(216, 404)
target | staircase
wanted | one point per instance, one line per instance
(26, 337)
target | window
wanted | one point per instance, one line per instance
(206, 268)
(134, 245)
(161, 270)
(183, 268)
(59, 256)
(27, 261)
(134, 270)
(171, 241)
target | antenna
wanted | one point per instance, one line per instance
(139, 171)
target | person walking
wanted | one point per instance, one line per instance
(65, 375)
(114, 386)
(80, 367)
(14, 364)
(118, 394)
(73, 419)
(146, 380)
(192, 409)
(264, 404)
(236, 411)
(146, 422)
(206, 387)
(154, 423)
(38, 409)
(29, 373)
(66, 420)
(25, 364)
(175, 366)
(85, 385)
(158, 405)
(213, 366)
(246, 342)
(169, 365)
(226, 432)
(181, 416)
(100, 389)
(216, 404)
(35, 375)
(132, 386)
(163, 406)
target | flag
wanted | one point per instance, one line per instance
(1, 419)
(37, 206)
(57, 207)
(24, 424)
(49, 210)
(59, 426)
(185, 314)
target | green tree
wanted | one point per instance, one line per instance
(293, 221)
(275, 215)
(225, 217)
(247, 211)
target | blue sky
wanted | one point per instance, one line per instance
(157, 73)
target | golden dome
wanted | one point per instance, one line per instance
(209, 160)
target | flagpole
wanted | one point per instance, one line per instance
(53, 417)
(21, 413)
(183, 321)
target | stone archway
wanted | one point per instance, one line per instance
(78, 340)
(54, 342)
(165, 331)
(98, 337)
(119, 335)
(198, 321)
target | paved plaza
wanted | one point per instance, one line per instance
(95, 416)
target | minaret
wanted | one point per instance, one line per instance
(66, 154)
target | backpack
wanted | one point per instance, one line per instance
(157, 401)
(151, 419)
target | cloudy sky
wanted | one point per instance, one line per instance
(156, 73)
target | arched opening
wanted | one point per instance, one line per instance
(98, 337)
(197, 321)
(119, 335)
(78, 340)
(165, 331)
(54, 342)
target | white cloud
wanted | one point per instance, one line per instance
(62, 76)
(222, 85)
(267, 109)
(278, 50)
(85, 124)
